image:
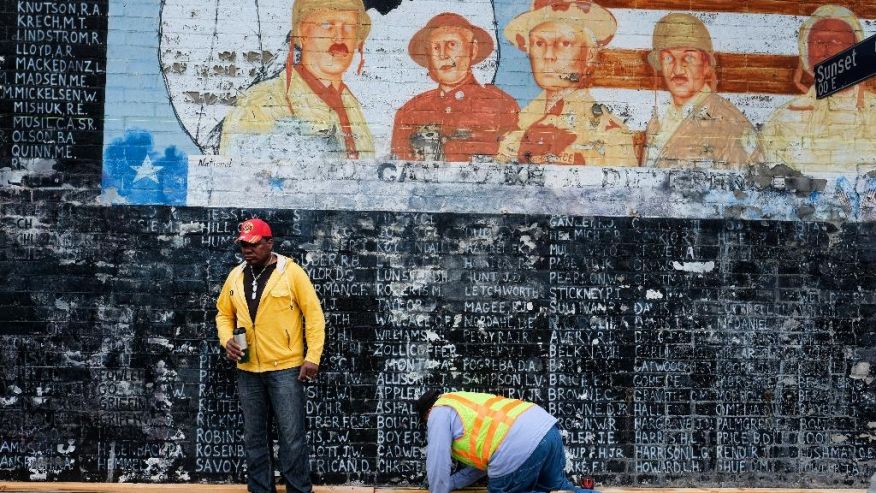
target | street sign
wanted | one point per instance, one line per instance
(846, 68)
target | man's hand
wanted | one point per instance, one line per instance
(308, 371)
(232, 350)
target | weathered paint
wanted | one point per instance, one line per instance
(211, 61)
(673, 350)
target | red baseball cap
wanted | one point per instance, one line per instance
(253, 230)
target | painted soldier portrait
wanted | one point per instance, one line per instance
(698, 127)
(564, 124)
(837, 133)
(307, 108)
(461, 118)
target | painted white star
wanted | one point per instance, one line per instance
(147, 170)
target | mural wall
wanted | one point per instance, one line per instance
(489, 150)
(553, 106)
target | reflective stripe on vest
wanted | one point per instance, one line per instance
(486, 419)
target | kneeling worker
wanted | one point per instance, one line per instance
(516, 444)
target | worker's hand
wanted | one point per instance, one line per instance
(232, 350)
(308, 371)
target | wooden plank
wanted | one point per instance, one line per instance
(864, 9)
(661, 490)
(35, 487)
(725, 490)
(737, 72)
(117, 487)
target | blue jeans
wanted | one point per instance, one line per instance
(544, 470)
(259, 393)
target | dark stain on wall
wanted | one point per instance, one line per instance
(382, 6)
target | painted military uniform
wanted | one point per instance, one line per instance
(297, 114)
(575, 130)
(837, 133)
(454, 125)
(707, 130)
(833, 134)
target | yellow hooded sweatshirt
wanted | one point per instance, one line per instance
(276, 337)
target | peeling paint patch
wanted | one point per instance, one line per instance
(161, 341)
(861, 371)
(699, 267)
(11, 400)
(432, 336)
(652, 294)
(67, 449)
(111, 462)
(39, 398)
(839, 438)
(526, 241)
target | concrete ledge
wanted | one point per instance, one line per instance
(27, 487)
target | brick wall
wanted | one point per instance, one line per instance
(673, 351)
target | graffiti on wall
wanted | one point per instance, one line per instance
(345, 104)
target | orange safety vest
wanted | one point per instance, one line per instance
(486, 419)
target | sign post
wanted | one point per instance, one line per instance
(846, 68)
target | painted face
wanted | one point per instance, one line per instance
(329, 41)
(559, 55)
(450, 54)
(686, 71)
(257, 253)
(827, 38)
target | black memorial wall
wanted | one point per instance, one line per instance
(52, 78)
(672, 351)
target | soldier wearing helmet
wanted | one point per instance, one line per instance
(836, 133)
(307, 108)
(698, 127)
(563, 124)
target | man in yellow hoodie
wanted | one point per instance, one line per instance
(271, 297)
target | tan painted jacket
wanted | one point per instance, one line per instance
(714, 134)
(837, 133)
(576, 130)
(276, 336)
(295, 113)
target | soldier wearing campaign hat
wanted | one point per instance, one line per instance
(564, 125)
(461, 118)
